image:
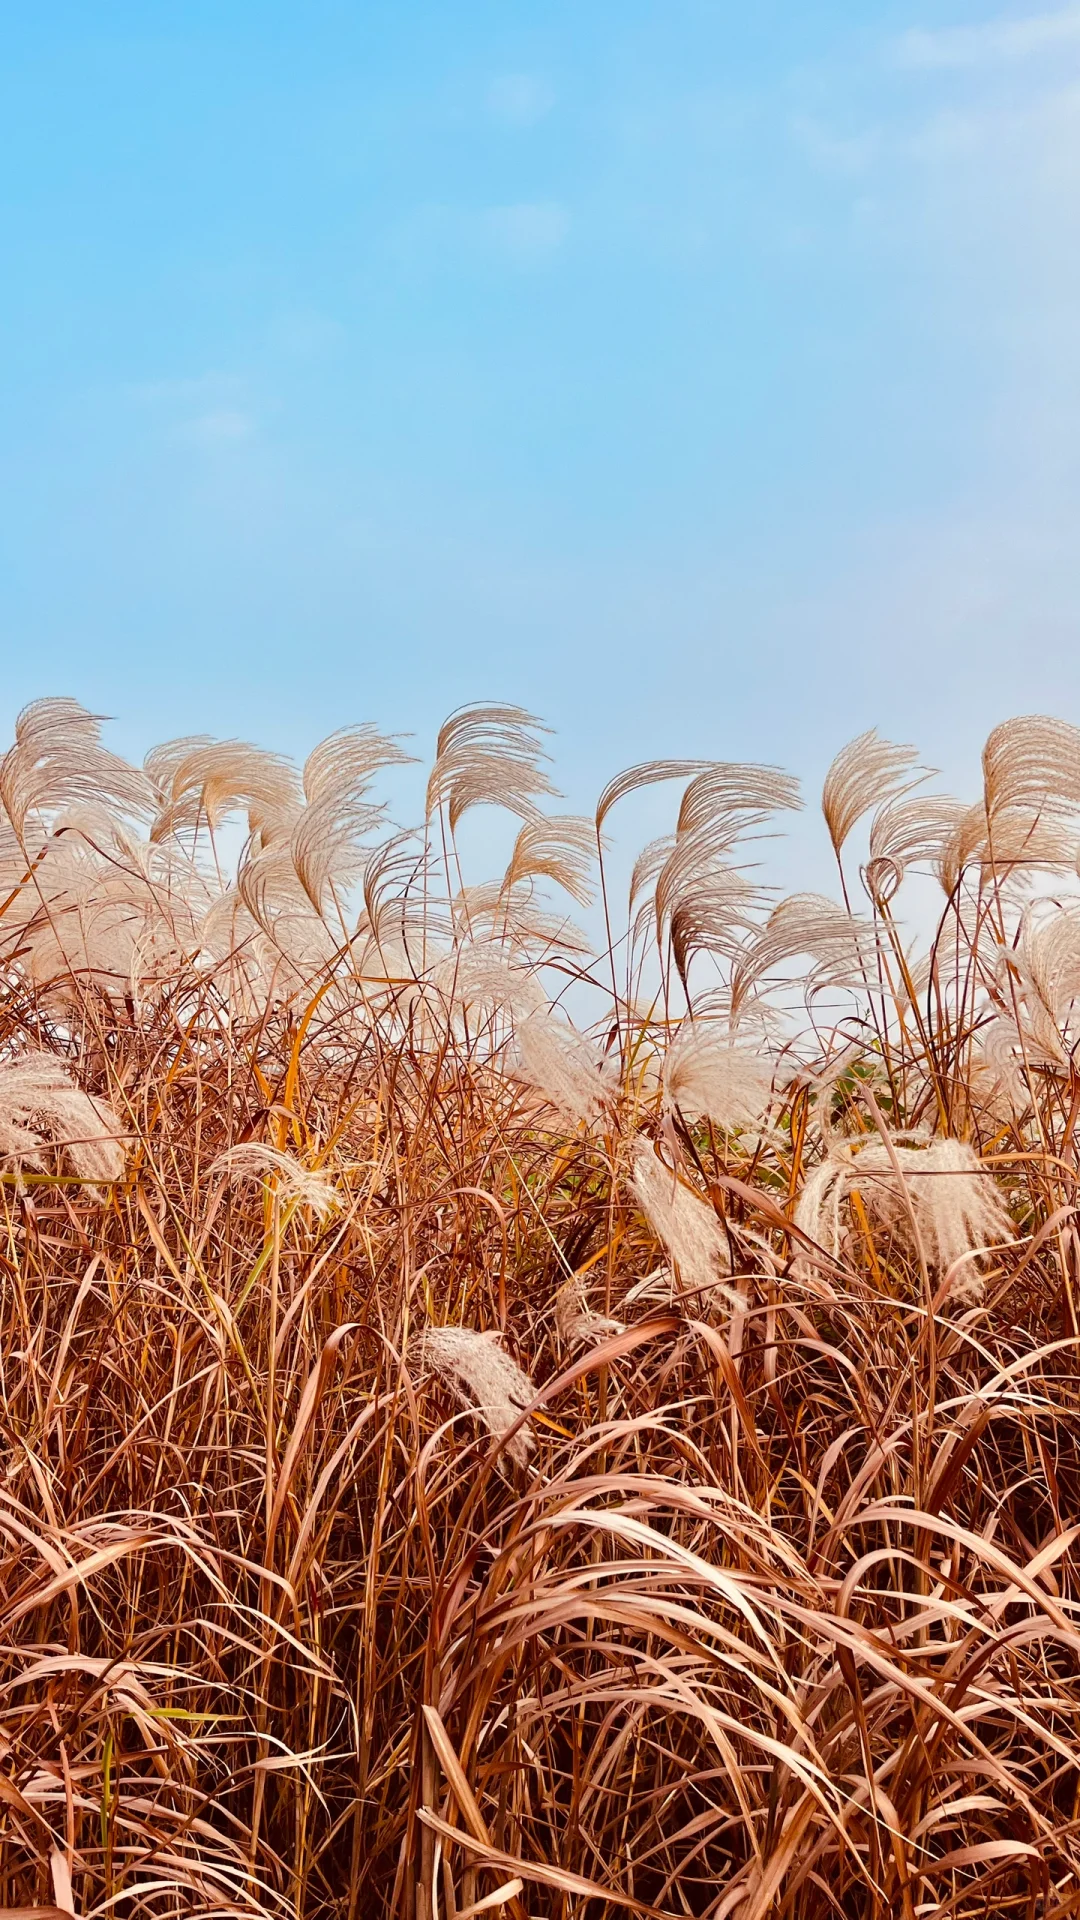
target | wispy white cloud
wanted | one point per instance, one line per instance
(223, 427)
(520, 99)
(524, 235)
(529, 233)
(991, 42)
(832, 152)
(201, 410)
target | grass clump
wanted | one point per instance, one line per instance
(458, 1459)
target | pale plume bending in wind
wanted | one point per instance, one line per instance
(325, 840)
(1032, 763)
(256, 1160)
(1001, 1058)
(865, 773)
(477, 977)
(562, 1066)
(956, 1206)
(805, 925)
(708, 1075)
(1027, 818)
(1046, 958)
(105, 907)
(483, 1378)
(400, 926)
(199, 782)
(1037, 1024)
(647, 774)
(575, 1320)
(40, 1106)
(906, 833)
(560, 847)
(514, 919)
(684, 1222)
(647, 869)
(1020, 840)
(702, 901)
(731, 797)
(58, 761)
(488, 755)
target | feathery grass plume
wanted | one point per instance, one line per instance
(1020, 841)
(1031, 764)
(736, 796)
(1047, 958)
(484, 1378)
(908, 833)
(708, 1075)
(294, 944)
(401, 923)
(477, 977)
(957, 1208)
(647, 869)
(804, 925)
(562, 1066)
(40, 1106)
(649, 865)
(488, 755)
(104, 930)
(559, 847)
(58, 761)
(337, 775)
(199, 782)
(1039, 1020)
(866, 772)
(1000, 1062)
(576, 1323)
(107, 907)
(685, 1223)
(647, 774)
(256, 1160)
(515, 920)
(702, 903)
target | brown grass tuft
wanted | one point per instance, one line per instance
(479, 1434)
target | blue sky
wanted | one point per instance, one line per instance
(705, 376)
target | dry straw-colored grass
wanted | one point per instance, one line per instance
(455, 1461)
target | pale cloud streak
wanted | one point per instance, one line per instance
(224, 427)
(990, 43)
(520, 99)
(529, 233)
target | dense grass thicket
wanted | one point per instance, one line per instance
(458, 1458)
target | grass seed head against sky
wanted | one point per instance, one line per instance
(705, 377)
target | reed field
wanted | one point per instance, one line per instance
(504, 1419)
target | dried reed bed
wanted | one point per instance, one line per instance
(454, 1461)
